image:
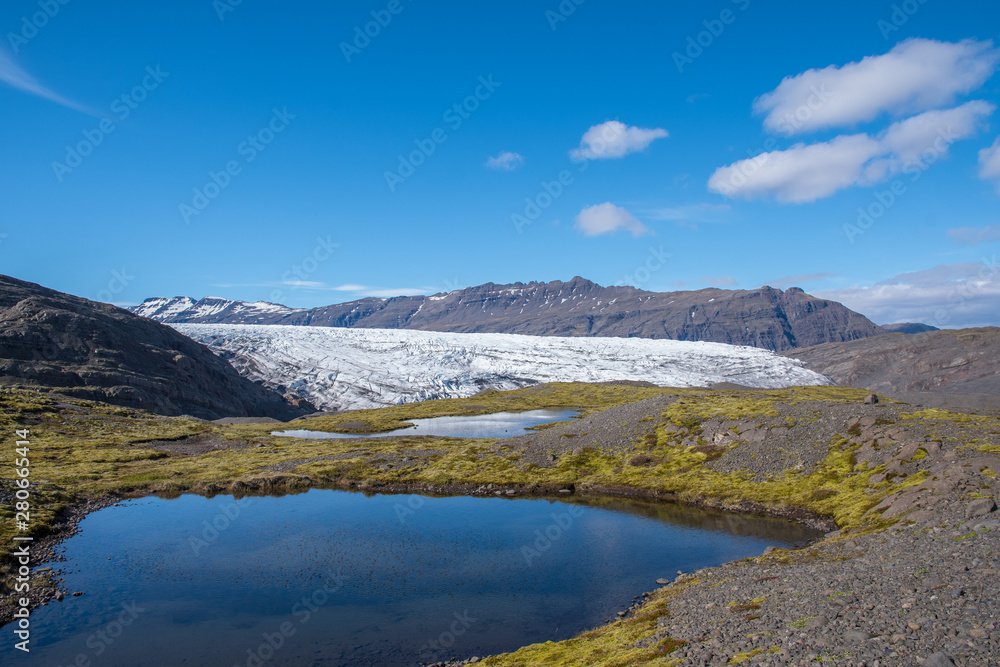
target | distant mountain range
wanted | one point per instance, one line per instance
(909, 328)
(96, 351)
(766, 318)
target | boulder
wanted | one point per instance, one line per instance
(980, 507)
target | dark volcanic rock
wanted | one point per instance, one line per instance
(765, 317)
(963, 361)
(101, 352)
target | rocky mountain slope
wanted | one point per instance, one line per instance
(909, 327)
(965, 361)
(343, 369)
(767, 318)
(104, 353)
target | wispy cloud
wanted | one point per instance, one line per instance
(916, 75)
(719, 281)
(382, 292)
(505, 161)
(303, 283)
(948, 295)
(974, 235)
(400, 291)
(607, 219)
(989, 163)
(295, 284)
(614, 139)
(795, 281)
(350, 288)
(14, 76)
(689, 215)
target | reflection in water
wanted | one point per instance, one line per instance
(336, 578)
(733, 523)
(496, 425)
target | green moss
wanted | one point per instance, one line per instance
(745, 656)
(614, 645)
(107, 450)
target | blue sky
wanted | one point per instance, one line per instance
(265, 151)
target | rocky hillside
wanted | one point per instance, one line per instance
(965, 361)
(767, 318)
(909, 327)
(104, 353)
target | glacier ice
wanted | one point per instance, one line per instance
(346, 369)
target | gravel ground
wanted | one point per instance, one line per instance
(926, 591)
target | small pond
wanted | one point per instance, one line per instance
(496, 425)
(338, 578)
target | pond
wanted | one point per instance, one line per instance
(496, 425)
(338, 578)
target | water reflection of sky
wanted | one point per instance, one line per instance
(213, 575)
(496, 425)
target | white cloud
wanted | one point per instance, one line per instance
(614, 139)
(799, 174)
(975, 235)
(607, 219)
(505, 161)
(989, 163)
(14, 76)
(949, 295)
(916, 75)
(805, 173)
(907, 139)
(350, 287)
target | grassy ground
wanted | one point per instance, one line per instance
(92, 450)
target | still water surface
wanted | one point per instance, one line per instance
(496, 425)
(337, 578)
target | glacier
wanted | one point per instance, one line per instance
(347, 369)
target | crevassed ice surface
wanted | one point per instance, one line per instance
(364, 368)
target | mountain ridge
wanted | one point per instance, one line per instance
(101, 352)
(766, 317)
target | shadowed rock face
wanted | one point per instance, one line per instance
(101, 352)
(965, 361)
(765, 317)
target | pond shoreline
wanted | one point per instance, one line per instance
(45, 586)
(911, 573)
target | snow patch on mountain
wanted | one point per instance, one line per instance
(342, 369)
(211, 308)
(162, 307)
